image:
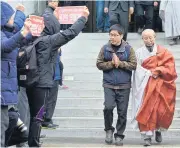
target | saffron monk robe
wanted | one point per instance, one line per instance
(153, 89)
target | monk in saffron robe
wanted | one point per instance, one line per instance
(154, 89)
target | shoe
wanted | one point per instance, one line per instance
(140, 30)
(109, 137)
(43, 136)
(158, 136)
(118, 141)
(49, 126)
(63, 87)
(147, 142)
(173, 42)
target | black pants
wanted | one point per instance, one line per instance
(144, 19)
(51, 103)
(121, 17)
(4, 123)
(113, 98)
(36, 98)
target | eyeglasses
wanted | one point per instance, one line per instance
(113, 35)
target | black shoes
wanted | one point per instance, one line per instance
(158, 137)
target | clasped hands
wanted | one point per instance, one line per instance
(115, 60)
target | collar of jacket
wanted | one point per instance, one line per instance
(121, 49)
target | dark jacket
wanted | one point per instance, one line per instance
(47, 51)
(52, 26)
(117, 78)
(113, 5)
(9, 43)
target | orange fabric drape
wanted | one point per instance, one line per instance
(158, 105)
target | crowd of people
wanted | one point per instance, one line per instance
(152, 68)
(157, 15)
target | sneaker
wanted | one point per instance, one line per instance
(158, 136)
(147, 142)
(173, 42)
(118, 141)
(109, 137)
(49, 126)
(63, 87)
(43, 136)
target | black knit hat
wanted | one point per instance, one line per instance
(117, 27)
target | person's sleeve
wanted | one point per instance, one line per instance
(19, 20)
(101, 64)
(61, 38)
(9, 44)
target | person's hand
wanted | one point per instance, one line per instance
(116, 60)
(20, 7)
(26, 28)
(155, 74)
(106, 10)
(155, 4)
(131, 10)
(85, 12)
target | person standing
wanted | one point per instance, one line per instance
(154, 89)
(117, 60)
(170, 15)
(119, 13)
(144, 14)
(102, 18)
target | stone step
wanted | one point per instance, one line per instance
(91, 103)
(89, 85)
(93, 93)
(88, 69)
(89, 77)
(99, 133)
(92, 122)
(92, 112)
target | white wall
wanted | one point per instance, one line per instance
(31, 6)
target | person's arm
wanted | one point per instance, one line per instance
(9, 44)
(101, 64)
(131, 63)
(19, 20)
(61, 38)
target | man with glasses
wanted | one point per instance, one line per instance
(117, 60)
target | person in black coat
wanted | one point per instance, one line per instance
(144, 14)
(119, 13)
(47, 52)
(52, 26)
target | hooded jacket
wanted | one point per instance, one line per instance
(10, 40)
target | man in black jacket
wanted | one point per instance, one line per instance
(144, 14)
(119, 13)
(52, 26)
(47, 52)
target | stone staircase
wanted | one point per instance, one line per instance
(79, 110)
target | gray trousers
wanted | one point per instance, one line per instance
(50, 103)
(116, 98)
(4, 123)
(121, 17)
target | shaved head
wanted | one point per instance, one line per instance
(148, 32)
(149, 37)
